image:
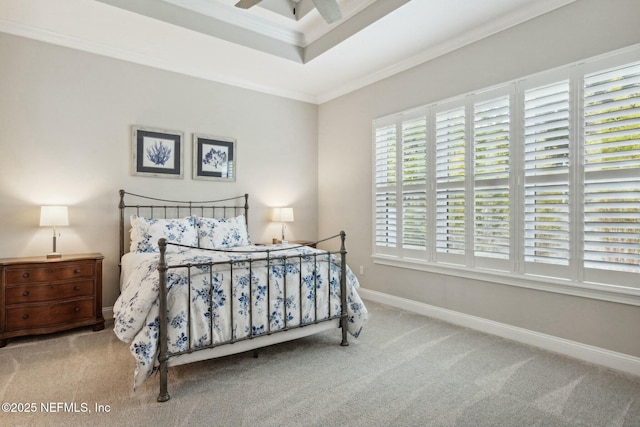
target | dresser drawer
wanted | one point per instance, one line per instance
(41, 295)
(46, 274)
(49, 292)
(41, 315)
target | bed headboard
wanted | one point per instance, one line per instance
(152, 207)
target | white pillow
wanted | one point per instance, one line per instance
(222, 233)
(145, 233)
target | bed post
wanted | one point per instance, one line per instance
(121, 206)
(344, 317)
(162, 321)
(246, 209)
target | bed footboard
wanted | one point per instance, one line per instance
(163, 356)
(272, 260)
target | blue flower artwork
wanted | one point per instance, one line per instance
(215, 159)
(158, 153)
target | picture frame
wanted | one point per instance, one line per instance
(157, 152)
(214, 158)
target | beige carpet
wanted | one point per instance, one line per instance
(404, 370)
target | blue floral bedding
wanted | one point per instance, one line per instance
(213, 299)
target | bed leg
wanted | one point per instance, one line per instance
(343, 326)
(162, 322)
(344, 317)
(255, 353)
(164, 392)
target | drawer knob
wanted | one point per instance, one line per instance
(76, 288)
(25, 275)
(25, 294)
(25, 316)
(77, 271)
(77, 309)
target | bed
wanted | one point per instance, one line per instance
(193, 287)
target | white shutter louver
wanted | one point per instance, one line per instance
(612, 169)
(386, 176)
(491, 174)
(546, 170)
(450, 181)
(414, 180)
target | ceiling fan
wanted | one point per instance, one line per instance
(328, 9)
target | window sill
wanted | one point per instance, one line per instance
(599, 291)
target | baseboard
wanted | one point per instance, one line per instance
(107, 313)
(603, 357)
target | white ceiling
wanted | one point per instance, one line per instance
(262, 50)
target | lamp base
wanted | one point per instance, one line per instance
(54, 255)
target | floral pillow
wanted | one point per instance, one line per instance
(145, 233)
(222, 233)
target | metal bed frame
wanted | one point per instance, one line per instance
(150, 207)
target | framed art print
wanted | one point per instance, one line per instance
(157, 152)
(214, 158)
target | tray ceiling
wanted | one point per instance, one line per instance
(266, 48)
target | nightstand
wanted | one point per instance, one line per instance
(292, 242)
(40, 295)
(303, 242)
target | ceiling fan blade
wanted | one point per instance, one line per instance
(329, 10)
(246, 4)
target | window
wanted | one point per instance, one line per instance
(611, 151)
(385, 182)
(547, 140)
(414, 181)
(450, 143)
(535, 178)
(491, 171)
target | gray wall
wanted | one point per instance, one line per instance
(65, 123)
(580, 30)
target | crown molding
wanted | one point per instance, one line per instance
(27, 31)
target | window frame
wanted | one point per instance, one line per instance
(574, 278)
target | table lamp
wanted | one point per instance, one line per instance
(54, 216)
(282, 215)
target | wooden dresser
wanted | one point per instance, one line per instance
(40, 295)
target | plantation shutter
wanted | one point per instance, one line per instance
(536, 181)
(546, 173)
(386, 172)
(612, 169)
(491, 218)
(450, 181)
(414, 181)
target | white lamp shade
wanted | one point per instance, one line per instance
(282, 214)
(54, 216)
